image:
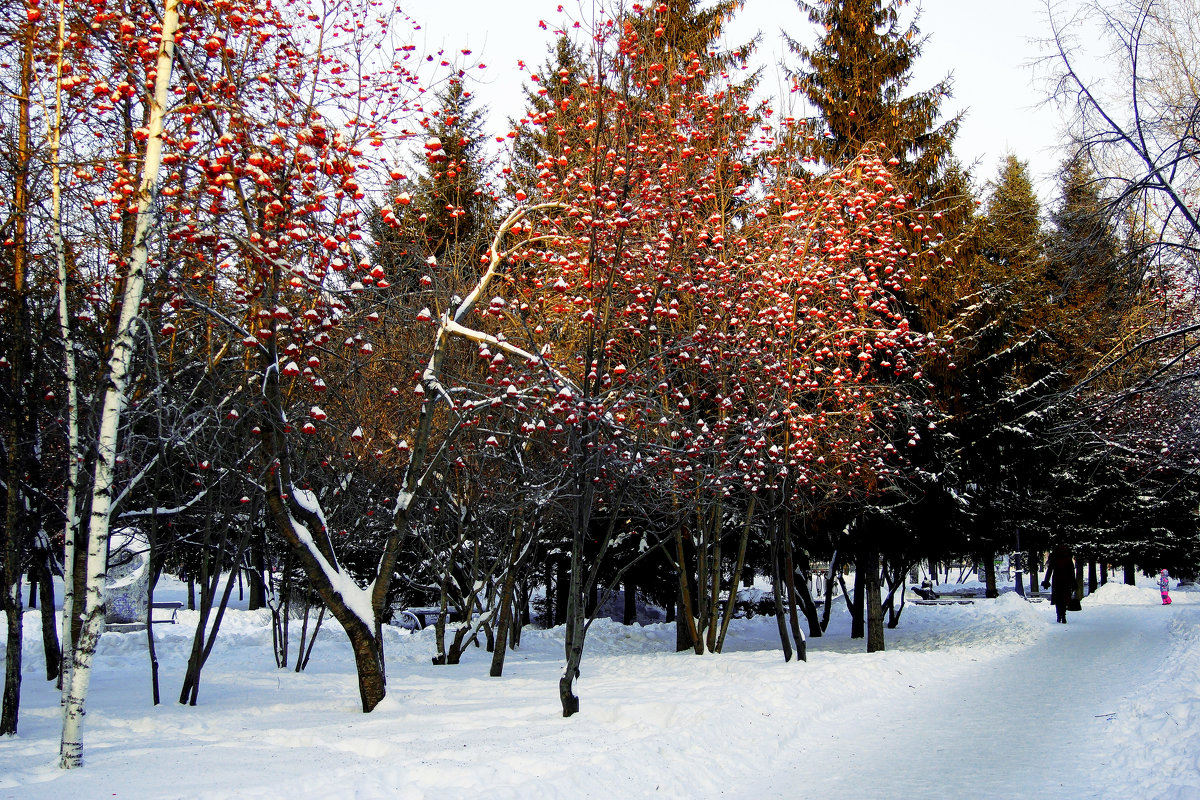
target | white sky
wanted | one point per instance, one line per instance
(988, 48)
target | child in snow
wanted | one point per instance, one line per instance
(1163, 585)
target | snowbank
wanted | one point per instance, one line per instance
(975, 699)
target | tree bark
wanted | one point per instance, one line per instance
(683, 637)
(506, 599)
(808, 607)
(13, 609)
(857, 629)
(989, 574)
(575, 631)
(873, 601)
(731, 603)
(548, 620)
(777, 595)
(256, 575)
(834, 578)
(685, 614)
(50, 646)
(790, 579)
(562, 589)
(17, 322)
(74, 457)
(629, 613)
(71, 750)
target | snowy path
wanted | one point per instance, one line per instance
(1031, 721)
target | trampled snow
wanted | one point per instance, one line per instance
(991, 699)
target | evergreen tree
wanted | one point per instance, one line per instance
(448, 209)
(1085, 267)
(550, 92)
(453, 200)
(857, 78)
(1013, 229)
(1004, 375)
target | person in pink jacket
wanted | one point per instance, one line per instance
(1164, 583)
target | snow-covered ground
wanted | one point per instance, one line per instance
(985, 700)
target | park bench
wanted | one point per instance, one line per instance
(171, 606)
(943, 601)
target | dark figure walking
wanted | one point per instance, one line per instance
(1060, 579)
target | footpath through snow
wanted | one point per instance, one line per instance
(1037, 718)
(986, 700)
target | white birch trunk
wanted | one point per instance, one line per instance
(71, 749)
(64, 322)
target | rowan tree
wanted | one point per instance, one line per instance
(856, 78)
(228, 100)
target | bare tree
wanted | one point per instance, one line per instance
(1143, 138)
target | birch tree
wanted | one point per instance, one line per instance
(117, 380)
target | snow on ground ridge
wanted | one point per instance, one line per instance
(959, 688)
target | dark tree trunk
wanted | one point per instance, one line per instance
(12, 662)
(833, 580)
(1092, 582)
(777, 588)
(808, 607)
(857, 629)
(873, 601)
(548, 577)
(79, 578)
(1129, 574)
(256, 574)
(562, 588)
(1079, 578)
(368, 662)
(19, 344)
(593, 597)
(683, 631)
(1034, 556)
(989, 573)
(457, 645)
(576, 628)
(507, 591)
(50, 645)
(790, 580)
(12, 602)
(630, 615)
(206, 636)
(520, 613)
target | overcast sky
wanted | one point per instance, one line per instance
(988, 48)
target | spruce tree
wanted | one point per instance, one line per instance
(446, 208)
(857, 78)
(1004, 374)
(454, 202)
(1084, 261)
